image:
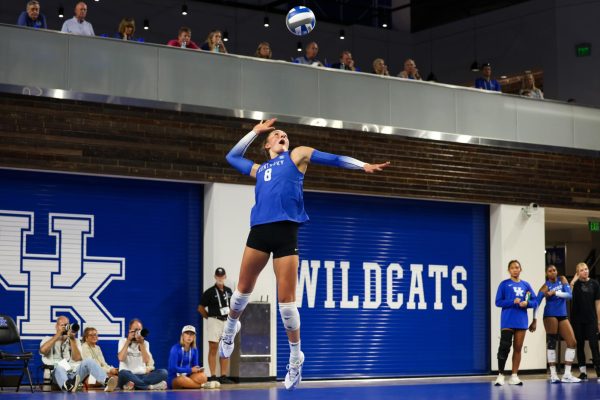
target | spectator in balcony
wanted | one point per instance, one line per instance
(78, 25)
(32, 17)
(346, 62)
(310, 55)
(126, 29)
(214, 42)
(90, 349)
(379, 67)
(184, 39)
(485, 81)
(263, 51)
(528, 88)
(410, 71)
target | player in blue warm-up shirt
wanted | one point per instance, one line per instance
(556, 291)
(275, 218)
(514, 296)
(184, 369)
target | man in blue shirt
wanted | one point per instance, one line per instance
(32, 17)
(78, 25)
(486, 82)
(310, 55)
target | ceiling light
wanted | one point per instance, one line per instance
(146, 24)
(342, 34)
(184, 9)
(266, 22)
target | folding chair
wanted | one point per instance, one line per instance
(9, 334)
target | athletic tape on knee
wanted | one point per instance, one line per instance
(551, 356)
(289, 316)
(239, 301)
(505, 343)
(551, 341)
(570, 355)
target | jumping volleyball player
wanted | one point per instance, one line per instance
(514, 296)
(556, 291)
(275, 218)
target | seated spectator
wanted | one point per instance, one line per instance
(91, 349)
(136, 366)
(78, 25)
(31, 17)
(486, 82)
(528, 88)
(379, 67)
(310, 55)
(214, 42)
(410, 70)
(184, 365)
(126, 29)
(346, 62)
(184, 39)
(263, 51)
(63, 352)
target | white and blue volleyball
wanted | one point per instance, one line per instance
(300, 20)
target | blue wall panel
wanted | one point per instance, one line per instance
(392, 338)
(116, 249)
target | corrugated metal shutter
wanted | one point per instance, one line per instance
(369, 234)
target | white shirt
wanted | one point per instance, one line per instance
(134, 361)
(60, 351)
(78, 28)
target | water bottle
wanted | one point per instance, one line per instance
(217, 47)
(183, 45)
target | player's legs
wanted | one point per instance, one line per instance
(566, 332)
(552, 338)
(516, 358)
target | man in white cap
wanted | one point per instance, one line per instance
(214, 307)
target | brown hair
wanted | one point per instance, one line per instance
(261, 44)
(125, 23)
(86, 332)
(514, 261)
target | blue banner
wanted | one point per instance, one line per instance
(392, 287)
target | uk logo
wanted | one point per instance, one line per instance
(518, 291)
(67, 282)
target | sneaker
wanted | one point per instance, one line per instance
(514, 380)
(499, 380)
(583, 376)
(226, 343)
(129, 386)
(224, 380)
(213, 378)
(570, 379)
(71, 384)
(111, 383)
(554, 379)
(162, 385)
(294, 374)
(211, 385)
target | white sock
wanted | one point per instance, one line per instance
(230, 324)
(583, 369)
(552, 370)
(567, 370)
(514, 376)
(294, 351)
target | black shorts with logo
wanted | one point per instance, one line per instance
(279, 238)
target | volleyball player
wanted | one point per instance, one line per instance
(274, 220)
(514, 296)
(556, 292)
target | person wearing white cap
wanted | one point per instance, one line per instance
(214, 307)
(184, 368)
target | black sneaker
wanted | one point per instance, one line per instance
(225, 380)
(583, 376)
(213, 378)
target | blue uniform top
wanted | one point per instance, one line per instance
(513, 316)
(181, 362)
(556, 306)
(278, 193)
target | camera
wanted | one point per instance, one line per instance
(74, 327)
(531, 209)
(142, 332)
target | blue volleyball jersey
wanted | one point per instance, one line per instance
(278, 193)
(513, 316)
(555, 306)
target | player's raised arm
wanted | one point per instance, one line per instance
(235, 157)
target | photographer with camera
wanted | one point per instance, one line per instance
(214, 307)
(63, 352)
(136, 366)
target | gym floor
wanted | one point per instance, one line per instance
(455, 388)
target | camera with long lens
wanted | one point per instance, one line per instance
(74, 327)
(142, 332)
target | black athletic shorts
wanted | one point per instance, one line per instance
(279, 238)
(558, 318)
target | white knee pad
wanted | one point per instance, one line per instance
(570, 355)
(289, 316)
(551, 356)
(239, 301)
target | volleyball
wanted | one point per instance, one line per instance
(300, 20)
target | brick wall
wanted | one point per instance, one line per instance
(73, 136)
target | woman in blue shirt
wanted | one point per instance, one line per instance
(274, 220)
(184, 368)
(514, 296)
(556, 292)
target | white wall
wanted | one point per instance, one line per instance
(513, 235)
(226, 226)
